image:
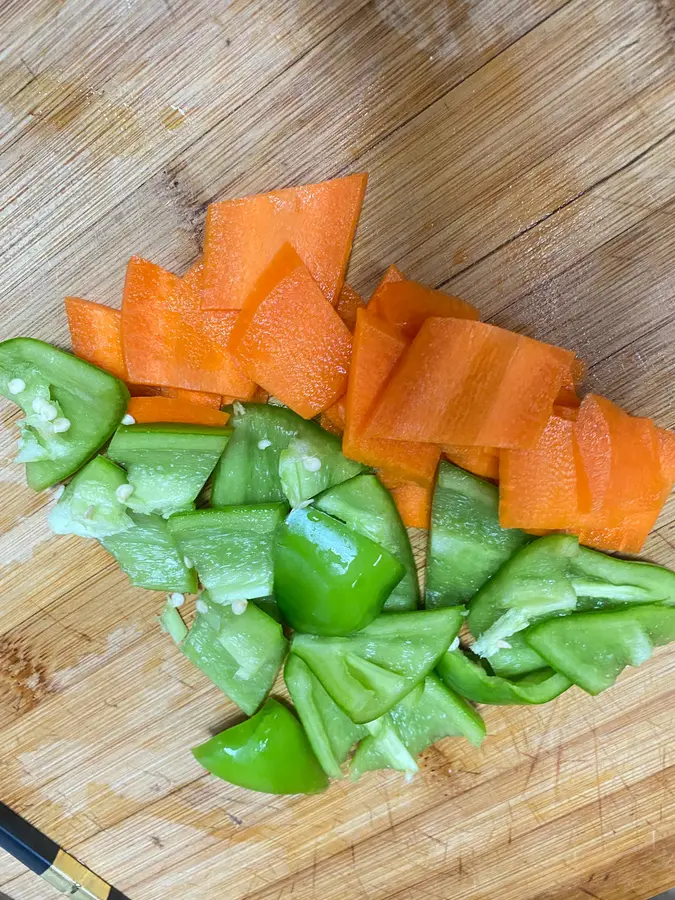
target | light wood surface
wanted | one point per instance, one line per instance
(521, 154)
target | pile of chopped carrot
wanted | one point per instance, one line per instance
(414, 373)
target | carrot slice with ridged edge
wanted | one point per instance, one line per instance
(469, 383)
(407, 304)
(412, 500)
(621, 456)
(378, 347)
(482, 461)
(168, 340)
(95, 333)
(391, 275)
(168, 409)
(243, 236)
(290, 340)
(348, 303)
(543, 489)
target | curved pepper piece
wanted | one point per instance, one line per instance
(268, 752)
(367, 507)
(329, 579)
(470, 679)
(71, 407)
(593, 648)
(367, 673)
(90, 505)
(554, 576)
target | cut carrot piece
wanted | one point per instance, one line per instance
(335, 415)
(290, 340)
(407, 304)
(391, 276)
(95, 334)
(473, 384)
(377, 348)
(199, 397)
(243, 236)
(195, 274)
(539, 489)
(348, 303)
(169, 341)
(328, 425)
(482, 461)
(666, 444)
(567, 395)
(168, 409)
(412, 500)
(622, 461)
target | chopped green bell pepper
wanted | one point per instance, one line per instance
(240, 654)
(231, 548)
(167, 464)
(92, 505)
(593, 648)
(468, 675)
(466, 543)
(366, 506)
(71, 407)
(150, 557)
(329, 579)
(331, 732)
(367, 673)
(554, 576)
(430, 711)
(249, 470)
(268, 752)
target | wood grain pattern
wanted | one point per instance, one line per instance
(521, 155)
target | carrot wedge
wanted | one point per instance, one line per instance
(333, 419)
(473, 384)
(481, 461)
(390, 276)
(168, 409)
(407, 304)
(95, 333)
(215, 401)
(412, 500)
(377, 348)
(347, 304)
(242, 237)
(169, 341)
(290, 340)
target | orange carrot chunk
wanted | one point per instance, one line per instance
(482, 461)
(391, 276)
(169, 341)
(333, 419)
(621, 456)
(95, 334)
(168, 409)
(568, 393)
(290, 340)
(539, 489)
(348, 303)
(473, 384)
(412, 500)
(200, 397)
(377, 348)
(242, 237)
(407, 304)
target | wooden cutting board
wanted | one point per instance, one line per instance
(522, 155)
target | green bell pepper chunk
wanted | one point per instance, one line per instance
(366, 506)
(430, 711)
(467, 545)
(71, 408)
(593, 648)
(329, 579)
(268, 752)
(367, 673)
(167, 464)
(251, 469)
(331, 732)
(554, 576)
(90, 505)
(240, 654)
(469, 677)
(150, 556)
(231, 548)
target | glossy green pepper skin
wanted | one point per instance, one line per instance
(470, 678)
(72, 408)
(593, 648)
(328, 579)
(268, 752)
